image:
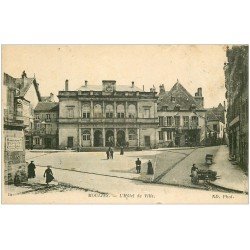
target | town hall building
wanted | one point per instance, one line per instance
(107, 115)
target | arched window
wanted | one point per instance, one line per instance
(131, 111)
(86, 135)
(132, 134)
(86, 111)
(109, 111)
(19, 109)
(97, 111)
(120, 111)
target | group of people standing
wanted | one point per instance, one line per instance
(150, 170)
(48, 174)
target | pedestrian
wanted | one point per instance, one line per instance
(127, 144)
(138, 166)
(31, 170)
(194, 174)
(150, 168)
(49, 175)
(107, 153)
(18, 177)
(111, 153)
(122, 150)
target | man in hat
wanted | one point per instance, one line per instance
(138, 166)
(31, 170)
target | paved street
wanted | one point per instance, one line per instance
(86, 173)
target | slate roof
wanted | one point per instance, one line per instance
(118, 88)
(47, 106)
(27, 82)
(216, 114)
(181, 96)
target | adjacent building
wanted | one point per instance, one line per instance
(216, 125)
(45, 133)
(236, 81)
(107, 115)
(182, 117)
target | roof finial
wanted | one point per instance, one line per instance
(177, 80)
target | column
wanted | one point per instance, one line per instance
(80, 137)
(91, 109)
(137, 109)
(138, 137)
(92, 137)
(114, 109)
(115, 137)
(103, 137)
(126, 135)
(126, 109)
(103, 109)
(172, 137)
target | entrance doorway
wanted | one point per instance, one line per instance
(70, 142)
(98, 138)
(147, 141)
(47, 142)
(121, 141)
(109, 138)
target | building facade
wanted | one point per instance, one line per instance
(236, 81)
(12, 133)
(107, 115)
(182, 117)
(216, 125)
(45, 133)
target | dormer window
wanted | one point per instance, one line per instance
(177, 107)
(172, 99)
(193, 107)
(164, 108)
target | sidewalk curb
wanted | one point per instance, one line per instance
(228, 189)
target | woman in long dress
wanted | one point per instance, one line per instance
(49, 175)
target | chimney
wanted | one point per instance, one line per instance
(199, 91)
(24, 75)
(51, 97)
(86, 83)
(133, 85)
(162, 89)
(67, 85)
(143, 88)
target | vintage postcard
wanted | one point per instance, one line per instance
(125, 124)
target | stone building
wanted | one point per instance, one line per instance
(45, 134)
(27, 96)
(13, 132)
(236, 81)
(182, 117)
(107, 115)
(216, 125)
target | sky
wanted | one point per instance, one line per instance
(193, 65)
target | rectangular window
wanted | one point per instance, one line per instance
(37, 141)
(177, 120)
(169, 135)
(195, 121)
(160, 135)
(169, 121)
(86, 137)
(71, 113)
(120, 115)
(215, 128)
(132, 137)
(37, 117)
(48, 128)
(146, 113)
(109, 115)
(161, 121)
(186, 121)
(86, 115)
(47, 116)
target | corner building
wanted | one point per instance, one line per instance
(107, 115)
